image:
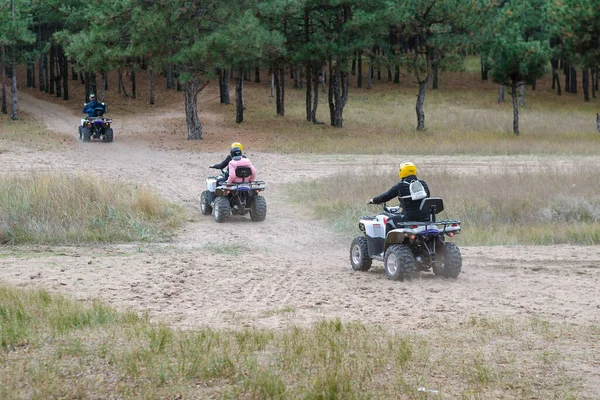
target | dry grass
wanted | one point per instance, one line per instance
(55, 348)
(28, 132)
(58, 208)
(549, 206)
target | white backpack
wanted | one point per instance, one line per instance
(417, 191)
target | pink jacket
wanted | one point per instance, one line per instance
(241, 162)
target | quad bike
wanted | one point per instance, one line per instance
(408, 247)
(235, 198)
(96, 127)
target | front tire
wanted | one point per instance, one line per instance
(87, 134)
(108, 135)
(359, 254)
(258, 210)
(222, 209)
(80, 132)
(452, 261)
(399, 262)
(205, 207)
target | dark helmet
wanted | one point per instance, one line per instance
(236, 152)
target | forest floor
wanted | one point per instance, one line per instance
(290, 269)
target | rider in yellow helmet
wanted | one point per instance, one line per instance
(236, 151)
(410, 208)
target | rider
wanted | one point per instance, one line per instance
(237, 160)
(90, 108)
(223, 164)
(410, 207)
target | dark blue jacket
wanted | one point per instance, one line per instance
(90, 108)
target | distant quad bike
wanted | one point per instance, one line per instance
(96, 127)
(235, 198)
(408, 247)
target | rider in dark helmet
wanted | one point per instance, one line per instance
(410, 207)
(91, 108)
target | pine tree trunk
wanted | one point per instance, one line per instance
(88, 87)
(313, 115)
(65, 73)
(58, 72)
(598, 122)
(301, 77)
(484, 69)
(194, 126)
(434, 86)
(370, 77)
(272, 83)
(224, 86)
(597, 76)
(420, 103)
(51, 60)
(132, 79)
(13, 91)
(353, 68)
(280, 91)
(567, 72)
(558, 91)
(594, 79)
(586, 84)
(515, 108)
(389, 71)
(105, 79)
(336, 96)
(4, 106)
(360, 72)
(151, 85)
(93, 83)
(308, 99)
(554, 76)
(295, 76)
(522, 94)
(397, 74)
(239, 102)
(41, 73)
(74, 74)
(324, 78)
(379, 70)
(82, 78)
(500, 93)
(28, 78)
(256, 74)
(573, 80)
(46, 73)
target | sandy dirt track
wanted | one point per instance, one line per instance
(289, 269)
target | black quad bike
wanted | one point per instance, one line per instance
(236, 198)
(408, 247)
(96, 127)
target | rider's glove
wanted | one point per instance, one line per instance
(212, 166)
(370, 202)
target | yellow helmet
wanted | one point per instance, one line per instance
(407, 169)
(238, 145)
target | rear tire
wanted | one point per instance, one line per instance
(222, 209)
(399, 262)
(452, 261)
(258, 210)
(108, 135)
(205, 207)
(359, 254)
(87, 134)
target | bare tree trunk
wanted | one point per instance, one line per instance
(272, 83)
(360, 72)
(397, 74)
(353, 67)
(309, 94)
(336, 101)
(41, 73)
(484, 68)
(515, 108)
(194, 126)
(133, 87)
(573, 80)
(434, 86)
(74, 74)
(58, 85)
(151, 85)
(46, 73)
(420, 103)
(567, 72)
(555, 78)
(313, 115)
(51, 59)
(594, 80)
(295, 76)
(586, 84)
(522, 94)
(389, 71)
(280, 90)
(597, 76)
(500, 93)
(323, 78)
(239, 99)
(370, 77)
(256, 74)
(3, 66)
(13, 91)
(301, 77)
(65, 74)
(224, 86)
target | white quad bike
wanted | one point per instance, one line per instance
(408, 247)
(236, 198)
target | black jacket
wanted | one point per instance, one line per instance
(225, 162)
(410, 207)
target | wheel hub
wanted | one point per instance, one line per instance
(391, 263)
